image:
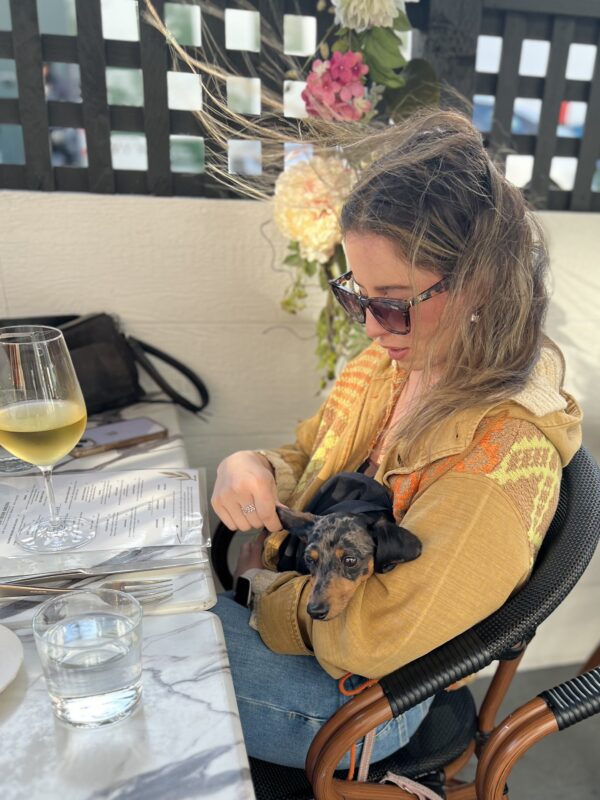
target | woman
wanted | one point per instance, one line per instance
(456, 407)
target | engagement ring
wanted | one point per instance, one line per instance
(249, 509)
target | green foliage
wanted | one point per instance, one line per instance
(295, 295)
(402, 23)
(340, 46)
(421, 88)
(338, 339)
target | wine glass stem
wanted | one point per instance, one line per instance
(47, 473)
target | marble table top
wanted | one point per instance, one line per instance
(184, 741)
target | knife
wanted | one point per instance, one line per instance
(104, 569)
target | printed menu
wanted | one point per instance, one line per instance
(137, 508)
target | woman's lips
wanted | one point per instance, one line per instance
(397, 353)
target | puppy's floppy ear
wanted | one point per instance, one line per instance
(393, 545)
(297, 522)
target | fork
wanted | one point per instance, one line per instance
(150, 590)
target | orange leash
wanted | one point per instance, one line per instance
(351, 693)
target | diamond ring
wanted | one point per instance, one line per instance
(249, 509)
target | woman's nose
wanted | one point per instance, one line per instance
(373, 329)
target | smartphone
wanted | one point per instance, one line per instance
(124, 433)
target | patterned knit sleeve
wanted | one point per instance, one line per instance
(515, 456)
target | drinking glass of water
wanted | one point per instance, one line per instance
(89, 643)
(42, 417)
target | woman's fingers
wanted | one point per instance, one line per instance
(224, 515)
(241, 521)
(257, 510)
(268, 514)
(248, 512)
(245, 493)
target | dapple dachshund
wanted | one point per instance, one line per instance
(343, 550)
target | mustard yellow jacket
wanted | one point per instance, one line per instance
(480, 495)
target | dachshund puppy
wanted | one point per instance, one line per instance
(343, 550)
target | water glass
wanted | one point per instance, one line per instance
(89, 643)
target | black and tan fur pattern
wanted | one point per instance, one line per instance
(344, 550)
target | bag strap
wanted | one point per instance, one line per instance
(140, 349)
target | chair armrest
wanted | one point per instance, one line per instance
(575, 699)
(221, 540)
(435, 671)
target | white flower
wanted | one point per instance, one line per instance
(308, 201)
(358, 15)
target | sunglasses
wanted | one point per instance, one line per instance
(393, 315)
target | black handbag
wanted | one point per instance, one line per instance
(107, 361)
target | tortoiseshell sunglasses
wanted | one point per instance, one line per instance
(393, 315)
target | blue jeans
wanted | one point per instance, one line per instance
(284, 700)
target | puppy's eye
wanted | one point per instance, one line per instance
(349, 561)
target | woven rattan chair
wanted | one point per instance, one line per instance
(453, 730)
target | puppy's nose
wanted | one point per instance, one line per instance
(318, 610)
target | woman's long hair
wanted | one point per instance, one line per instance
(428, 185)
(437, 196)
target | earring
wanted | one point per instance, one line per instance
(475, 317)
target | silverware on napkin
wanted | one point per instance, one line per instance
(146, 590)
(103, 569)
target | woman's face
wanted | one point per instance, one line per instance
(379, 272)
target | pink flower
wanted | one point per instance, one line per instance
(347, 67)
(335, 88)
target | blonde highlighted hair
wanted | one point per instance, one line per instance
(437, 196)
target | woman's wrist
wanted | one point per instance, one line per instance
(265, 461)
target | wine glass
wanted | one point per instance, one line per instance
(42, 417)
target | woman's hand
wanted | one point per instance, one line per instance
(245, 481)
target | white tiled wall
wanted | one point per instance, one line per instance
(203, 280)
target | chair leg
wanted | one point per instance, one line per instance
(351, 790)
(504, 731)
(452, 769)
(357, 703)
(487, 719)
(324, 762)
(497, 692)
(530, 711)
(464, 792)
(517, 734)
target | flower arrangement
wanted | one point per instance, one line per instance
(359, 15)
(335, 89)
(361, 76)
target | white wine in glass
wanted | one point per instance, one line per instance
(42, 417)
